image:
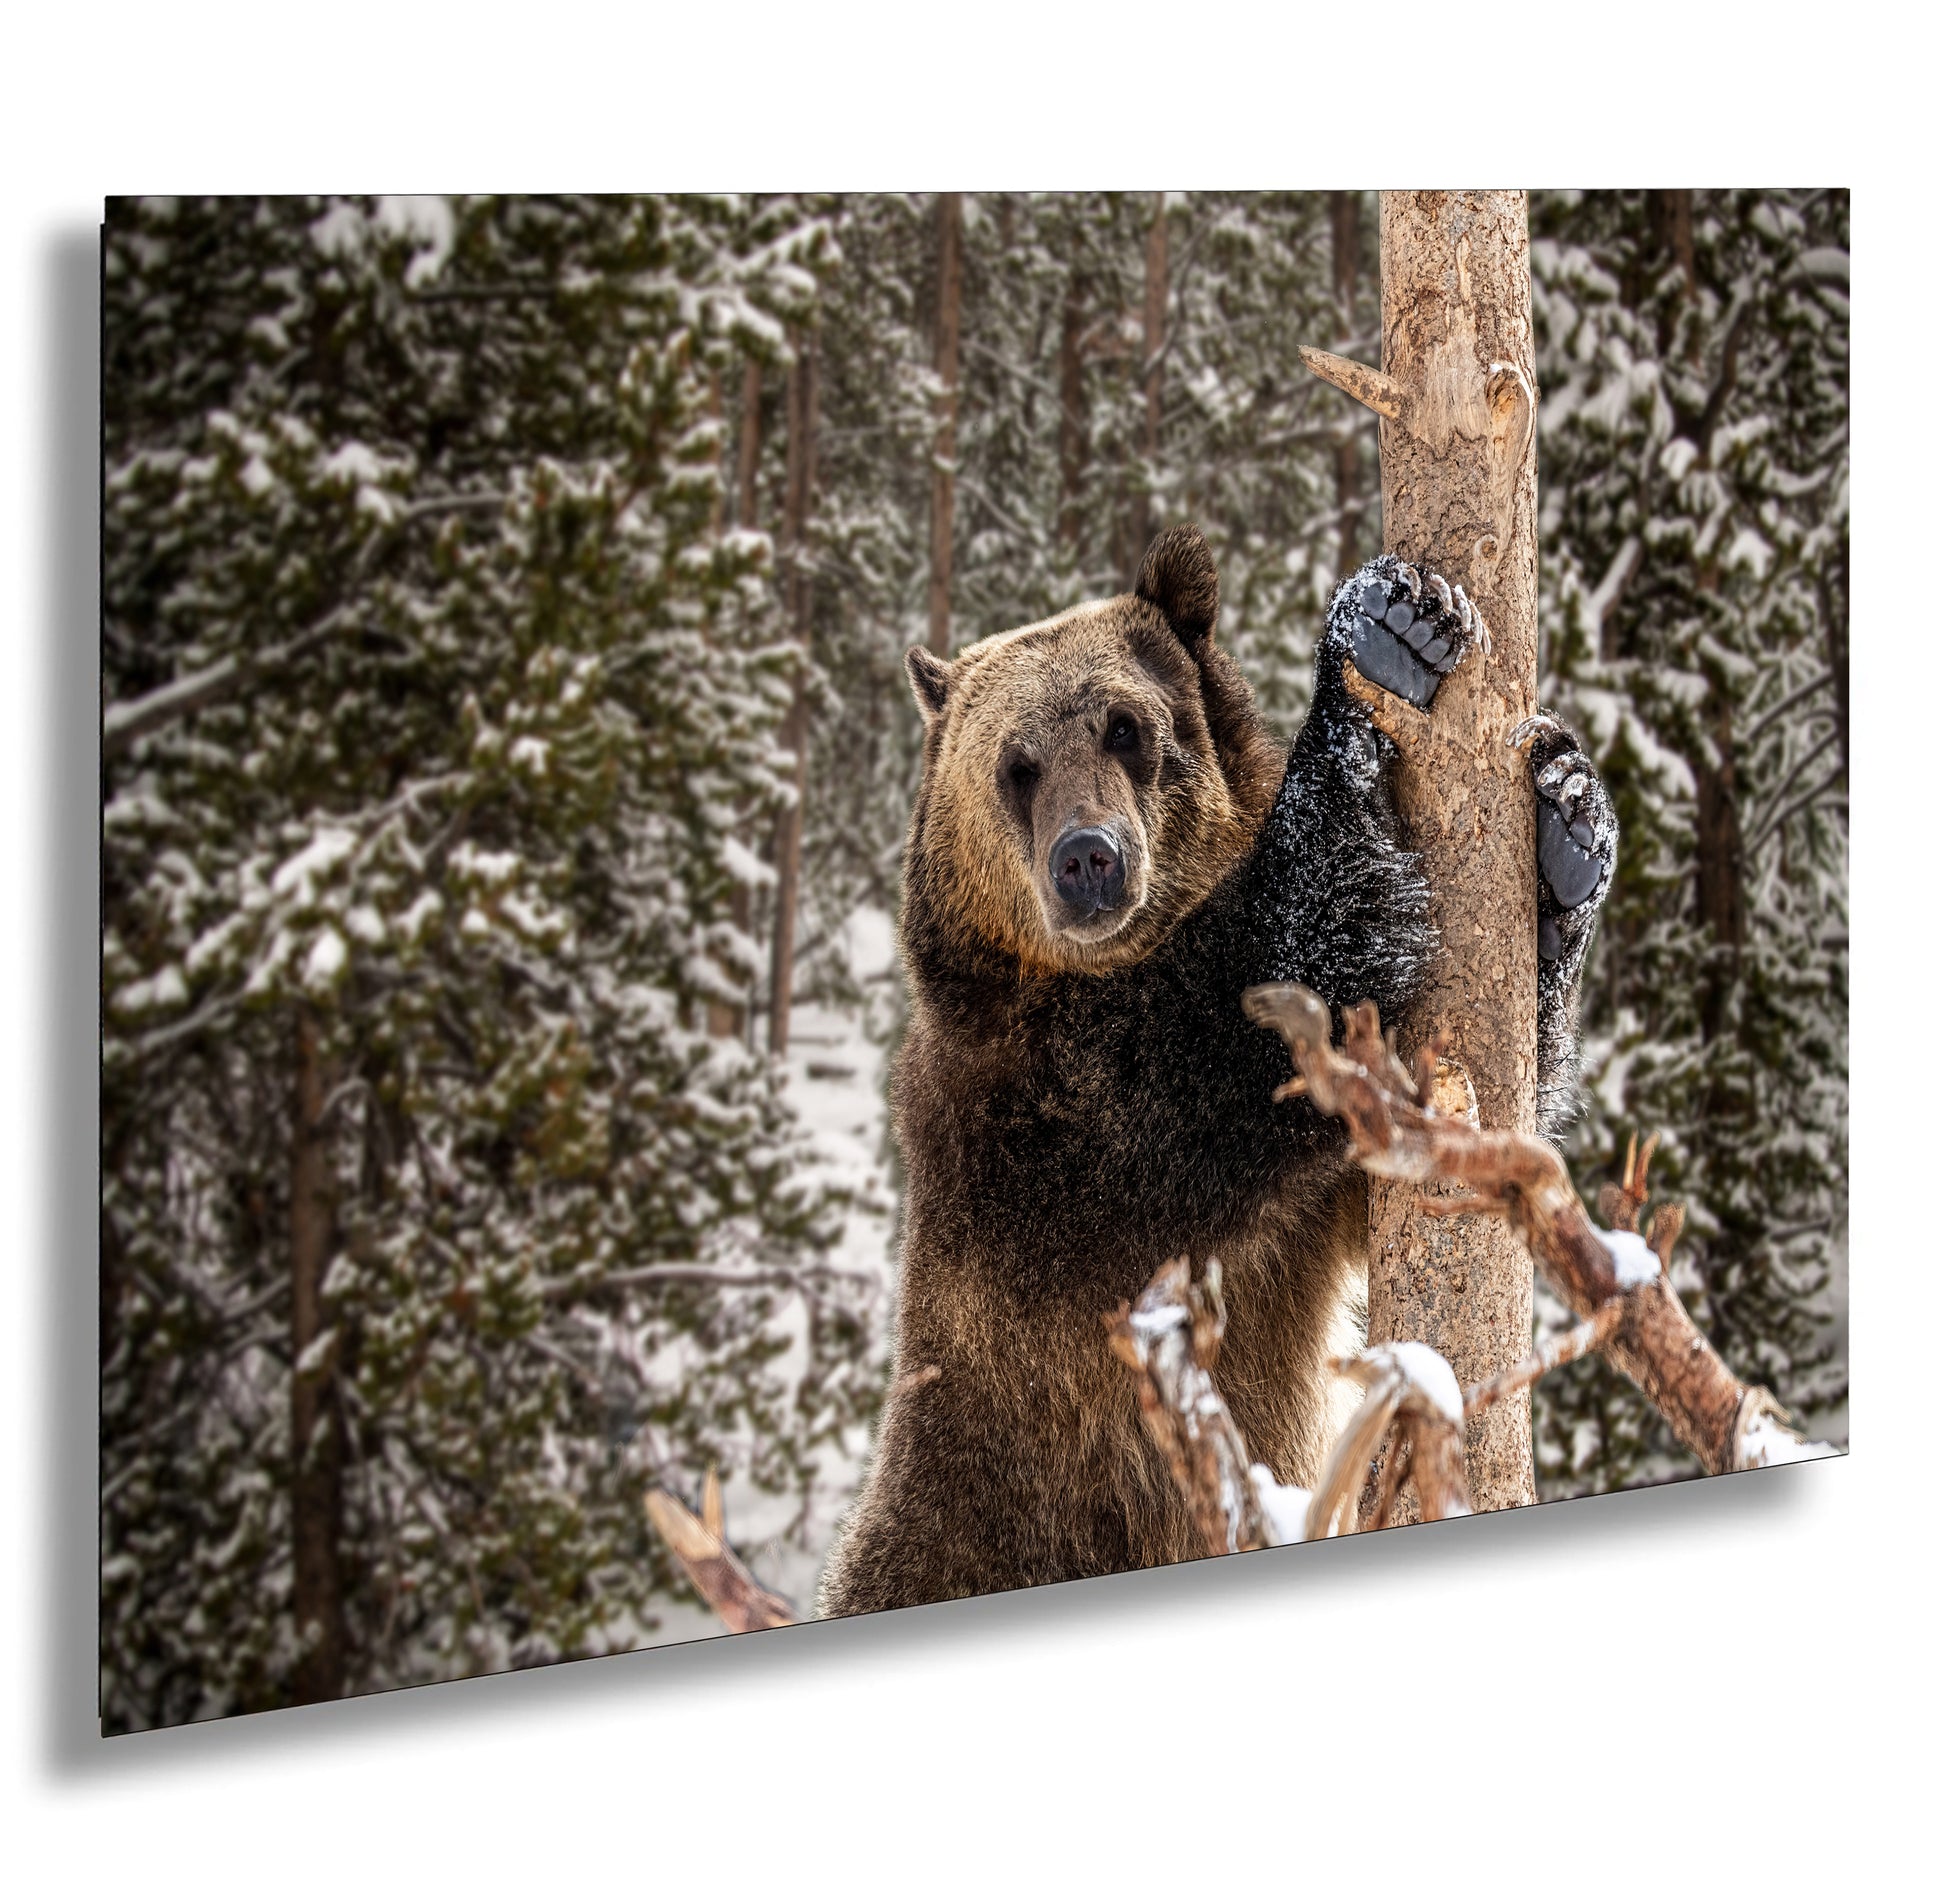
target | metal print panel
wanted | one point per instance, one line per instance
(815, 902)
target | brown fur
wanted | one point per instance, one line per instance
(1010, 1451)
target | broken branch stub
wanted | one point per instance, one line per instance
(737, 1598)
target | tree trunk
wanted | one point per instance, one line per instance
(945, 359)
(801, 400)
(749, 444)
(317, 1435)
(724, 1019)
(1719, 864)
(1344, 282)
(1155, 313)
(749, 455)
(1074, 417)
(1457, 471)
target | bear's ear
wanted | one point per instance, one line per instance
(1179, 577)
(930, 677)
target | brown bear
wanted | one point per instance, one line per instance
(1107, 847)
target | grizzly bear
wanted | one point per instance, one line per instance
(1106, 849)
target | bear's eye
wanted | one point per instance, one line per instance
(1018, 777)
(1123, 734)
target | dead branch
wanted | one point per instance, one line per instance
(739, 1600)
(1170, 1340)
(1412, 1399)
(1729, 1426)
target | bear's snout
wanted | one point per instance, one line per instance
(1087, 868)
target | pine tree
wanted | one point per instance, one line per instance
(411, 927)
(1694, 349)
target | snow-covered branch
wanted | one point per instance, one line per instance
(1170, 1340)
(125, 721)
(695, 1274)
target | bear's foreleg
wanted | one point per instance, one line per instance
(1403, 629)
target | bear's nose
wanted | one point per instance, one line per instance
(1087, 869)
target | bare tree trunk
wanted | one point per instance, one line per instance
(801, 400)
(1344, 281)
(1155, 313)
(1457, 473)
(1074, 418)
(939, 587)
(743, 910)
(724, 1019)
(317, 1436)
(749, 444)
(1719, 864)
(1834, 604)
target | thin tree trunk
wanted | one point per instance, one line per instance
(1457, 476)
(1344, 281)
(939, 587)
(716, 452)
(1834, 604)
(1719, 864)
(1155, 313)
(801, 399)
(749, 455)
(317, 1437)
(1074, 418)
(749, 444)
(724, 1018)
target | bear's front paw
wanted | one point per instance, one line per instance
(1404, 629)
(1575, 833)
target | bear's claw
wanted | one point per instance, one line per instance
(1404, 628)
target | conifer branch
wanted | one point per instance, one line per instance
(125, 721)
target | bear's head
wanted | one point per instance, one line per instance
(1089, 779)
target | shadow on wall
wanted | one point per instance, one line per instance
(69, 946)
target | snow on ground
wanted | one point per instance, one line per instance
(835, 1079)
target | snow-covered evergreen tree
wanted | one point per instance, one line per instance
(436, 701)
(1693, 351)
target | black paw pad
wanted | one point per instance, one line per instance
(1568, 857)
(1575, 835)
(1406, 630)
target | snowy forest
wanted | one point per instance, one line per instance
(506, 756)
